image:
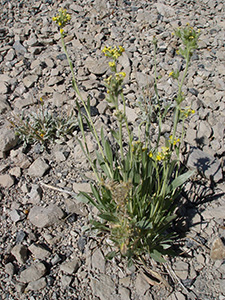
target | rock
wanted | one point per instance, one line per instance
(205, 163)
(95, 66)
(103, 287)
(222, 286)
(70, 266)
(181, 269)
(39, 251)
(45, 216)
(165, 10)
(204, 132)
(3, 88)
(4, 105)
(38, 168)
(19, 48)
(35, 194)
(144, 80)
(16, 215)
(6, 181)
(30, 80)
(16, 172)
(141, 285)
(55, 80)
(66, 280)
(98, 261)
(81, 187)
(217, 249)
(33, 273)
(36, 285)
(124, 293)
(20, 253)
(131, 114)
(8, 140)
(9, 269)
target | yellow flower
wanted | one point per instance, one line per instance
(171, 73)
(112, 64)
(159, 156)
(61, 30)
(150, 154)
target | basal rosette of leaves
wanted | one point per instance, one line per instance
(136, 185)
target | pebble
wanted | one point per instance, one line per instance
(37, 285)
(45, 216)
(20, 253)
(38, 168)
(33, 273)
(39, 251)
(70, 266)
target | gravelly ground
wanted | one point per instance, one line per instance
(32, 65)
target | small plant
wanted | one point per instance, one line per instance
(43, 126)
(136, 185)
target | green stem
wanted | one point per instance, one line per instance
(85, 106)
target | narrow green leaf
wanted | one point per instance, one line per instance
(180, 180)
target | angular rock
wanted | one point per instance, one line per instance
(217, 249)
(30, 80)
(66, 280)
(16, 215)
(39, 251)
(8, 140)
(37, 285)
(35, 194)
(95, 66)
(181, 269)
(104, 287)
(144, 80)
(6, 180)
(20, 253)
(98, 261)
(205, 163)
(19, 48)
(9, 269)
(45, 216)
(4, 105)
(70, 266)
(165, 10)
(33, 273)
(38, 168)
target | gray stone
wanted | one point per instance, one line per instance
(165, 10)
(16, 215)
(95, 66)
(45, 216)
(20, 253)
(9, 269)
(70, 266)
(4, 105)
(30, 80)
(81, 187)
(98, 261)
(19, 48)
(15, 171)
(124, 293)
(181, 269)
(204, 132)
(217, 249)
(38, 168)
(35, 194)
(131, 114)
(222, 286)
(3, 88)
(66, 280)
(141, 285)
(39, 251)
(205, 163)
(33, 273)
(8, 140)
(37, 285)
(55, 80)
(144, 80)
(103, 287)
(6, 180)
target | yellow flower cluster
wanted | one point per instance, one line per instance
(187, 111)
(112, 64)
(175, 141)
(113, 52)
(120, 75)
(62, 19)
(163, 154)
